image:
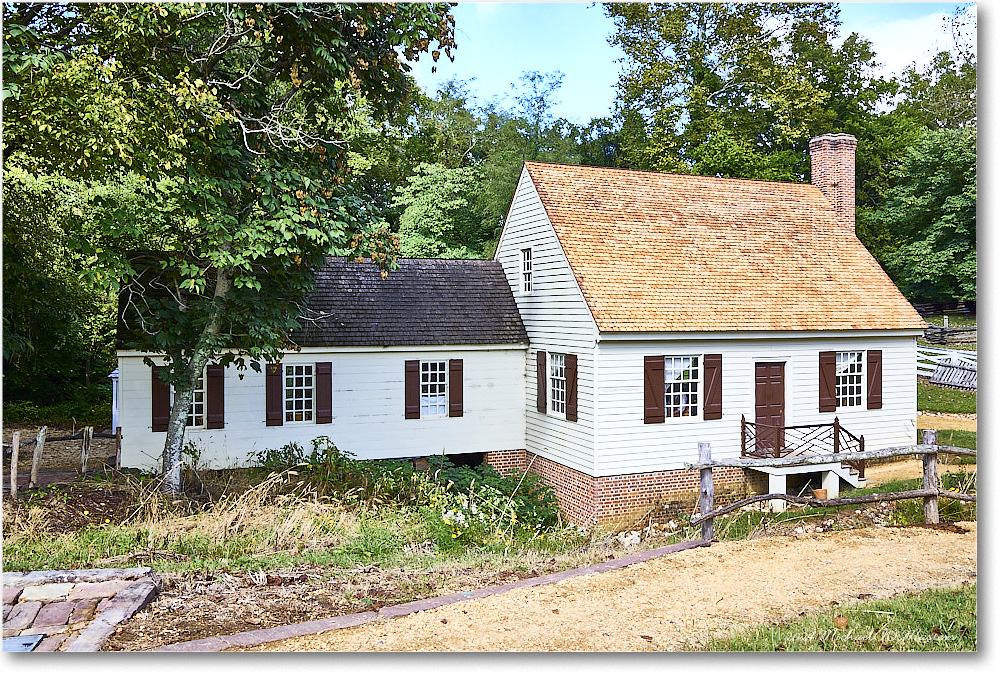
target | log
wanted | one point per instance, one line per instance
(931, 515)
(36, 457)
(707, 491)
(805, 460)
(812, 501)
(15, 449)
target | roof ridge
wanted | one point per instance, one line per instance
(665, 173)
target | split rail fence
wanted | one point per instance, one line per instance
(930, 492)
(86, 436)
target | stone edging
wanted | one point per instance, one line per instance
(265, 635)
(122, 606)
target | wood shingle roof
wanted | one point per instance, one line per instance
(656, 252)
(424, 302)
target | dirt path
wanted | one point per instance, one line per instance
(909, 468)
(946, 421)
(678, 600)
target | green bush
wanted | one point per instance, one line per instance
(81, 412)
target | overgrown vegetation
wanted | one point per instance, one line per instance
(322, 507)
(932, 620)
(932, 398)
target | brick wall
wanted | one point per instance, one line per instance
(616, 500)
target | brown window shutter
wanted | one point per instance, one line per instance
(874, 379)
(571, 387)
(828, 381)
(161, 402)
(455, 393)
(273, 394)
(324, 392)
(215, 397)
(412, 390)
(541, 382)
(654, 390)
(713, 386)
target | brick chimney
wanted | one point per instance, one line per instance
(833, 173)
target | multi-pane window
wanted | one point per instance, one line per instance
(682, 376)
(526, 270)
(557, 383)
(299, 398)
(196, 413)
(433, 388)
(850, 378)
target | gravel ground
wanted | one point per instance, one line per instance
(679, 601)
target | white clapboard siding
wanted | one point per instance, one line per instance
(626, 445)
(557, 319)
(368, 409)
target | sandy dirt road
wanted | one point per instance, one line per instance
(679, 600)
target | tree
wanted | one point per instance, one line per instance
(943, 94)
(440, 219)
(932, 211)
(230, 114)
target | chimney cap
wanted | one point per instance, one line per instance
(835, 139)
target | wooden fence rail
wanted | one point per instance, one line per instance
(929, 358)
(930, 493)
(86, 435)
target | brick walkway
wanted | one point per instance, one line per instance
(76, 610)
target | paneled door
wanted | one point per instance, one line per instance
(769, 397)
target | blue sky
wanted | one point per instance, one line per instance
(497, 41)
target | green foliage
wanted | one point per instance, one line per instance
(932, 211)
(933, 398)
(87, 407)
(931, 620)
(439, 217)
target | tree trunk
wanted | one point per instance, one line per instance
(174, 444)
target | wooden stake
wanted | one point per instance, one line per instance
(931, 515)
(707, 491)
(88, 435)
(36, 457)
(15, 448)
(118, 448)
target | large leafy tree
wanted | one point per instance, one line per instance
(231, 113)
(932, 211)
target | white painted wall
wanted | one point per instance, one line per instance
(368, 408)
(557, 319)
(626, 445)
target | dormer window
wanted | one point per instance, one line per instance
(525, 271)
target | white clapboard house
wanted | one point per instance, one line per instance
(627, 316)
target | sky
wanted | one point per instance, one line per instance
(498, 41)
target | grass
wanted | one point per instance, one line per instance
(958, 346)
(954, 319)
(933, 620)
(931, 398)
(956, 438)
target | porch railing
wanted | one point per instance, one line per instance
(767, 441)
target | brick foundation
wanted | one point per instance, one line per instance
(617, 500)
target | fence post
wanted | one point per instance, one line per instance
(15, 447)
(707, 491)
(118, 448)
(836, 435)
(36, 457)
(88, 435)
(931, 516)
(743, 435)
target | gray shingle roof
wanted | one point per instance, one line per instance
(424, 302)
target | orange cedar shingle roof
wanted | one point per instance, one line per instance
(657, 252)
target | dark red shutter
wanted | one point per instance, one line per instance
(161, 402)
(455, 392)
(571, 387)
(541, 382)
(874, 379)
(215, 397)
(828, 381)
(654, 389)
(713, 386)
(412, 390)
(324, 392)
(273, 394)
